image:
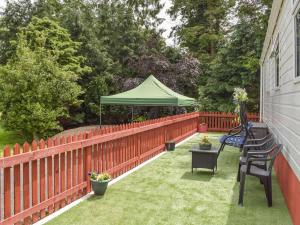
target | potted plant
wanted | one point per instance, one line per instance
(99, 182)
(203, 127)
(205, 144)
(170, 145)
(240, 96)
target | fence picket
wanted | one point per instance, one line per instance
(69, 170)
(26, 187)
(56, 175)
(74, 167)
(7, 202)
(80, 165)
(17, 184)
(42, 178)
(88, 165)
(34, 182)
(62, 171)
(50, 176)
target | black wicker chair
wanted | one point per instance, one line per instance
(265, 175)
(263, 144)
(238, 135)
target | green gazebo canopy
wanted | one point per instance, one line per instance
(149, 93)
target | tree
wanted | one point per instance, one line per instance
(109, 36)
(228, 53)
(203, 27)
(48, 34)
(110, 40)
(37, 86)
(146, 11)
(237, 62)
(16, 14)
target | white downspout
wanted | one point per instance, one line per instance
(261, 93)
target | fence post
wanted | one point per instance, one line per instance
(88, 162)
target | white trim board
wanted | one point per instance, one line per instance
(67, 207)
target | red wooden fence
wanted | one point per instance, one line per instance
(222, 122)
(38, 179)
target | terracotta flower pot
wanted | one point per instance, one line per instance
(203, 127)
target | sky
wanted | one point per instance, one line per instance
(168, 22)
(166, 25)
(2, 3)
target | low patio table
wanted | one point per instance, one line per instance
(206, 159)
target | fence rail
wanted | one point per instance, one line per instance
(223, 122)
(38, 179)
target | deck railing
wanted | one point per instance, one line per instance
(222, 122)
(38, 179)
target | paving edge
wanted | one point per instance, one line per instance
(71, 205)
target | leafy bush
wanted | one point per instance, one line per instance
(139, 119)
(39, 84)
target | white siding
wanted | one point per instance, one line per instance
(281, 106)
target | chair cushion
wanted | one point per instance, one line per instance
(256, 171)
(236, 141)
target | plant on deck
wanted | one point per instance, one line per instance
(99, 182)
(99, 176)
(204, 140)
(239, 96)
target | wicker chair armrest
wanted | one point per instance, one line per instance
(259, 140)
(266, 152)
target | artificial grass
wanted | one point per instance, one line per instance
(166, 192)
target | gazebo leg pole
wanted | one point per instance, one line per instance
(131, 113)
(100, 116)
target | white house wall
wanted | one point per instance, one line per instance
(281, 106)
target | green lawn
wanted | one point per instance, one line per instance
(9, 138)
(165, 192)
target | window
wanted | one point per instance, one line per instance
(276, 56)
(298, 44)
